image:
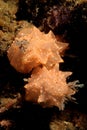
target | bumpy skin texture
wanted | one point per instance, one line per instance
(48, 87)
(39, 53)
(32, 48)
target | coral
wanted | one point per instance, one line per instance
(39, 53)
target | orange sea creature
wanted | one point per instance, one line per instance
(39, 53)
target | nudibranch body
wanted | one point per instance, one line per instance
(39, 53)
(32, 48)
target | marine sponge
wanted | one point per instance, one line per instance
(39, 53)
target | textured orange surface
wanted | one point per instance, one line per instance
(39, 53)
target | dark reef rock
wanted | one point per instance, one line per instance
(67, 19)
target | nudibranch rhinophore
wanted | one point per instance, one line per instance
(39, 53)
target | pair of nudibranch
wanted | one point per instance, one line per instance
(39, 53)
